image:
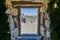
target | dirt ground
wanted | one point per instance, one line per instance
(28, 28)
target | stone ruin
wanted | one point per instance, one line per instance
(14, 17)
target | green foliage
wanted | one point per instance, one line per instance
(55, 20)
(2, 7)
(4, 28)
(3, 23)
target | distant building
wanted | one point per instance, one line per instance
(29, 19)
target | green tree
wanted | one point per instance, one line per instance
(55, 19)
(4, 28)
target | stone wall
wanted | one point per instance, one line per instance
(31, 0)
(42, 6)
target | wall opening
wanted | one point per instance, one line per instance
(29, 20)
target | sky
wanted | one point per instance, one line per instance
(29, 11)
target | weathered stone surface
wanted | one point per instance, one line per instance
(32, 0)
(13, 11)
(42, 5)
